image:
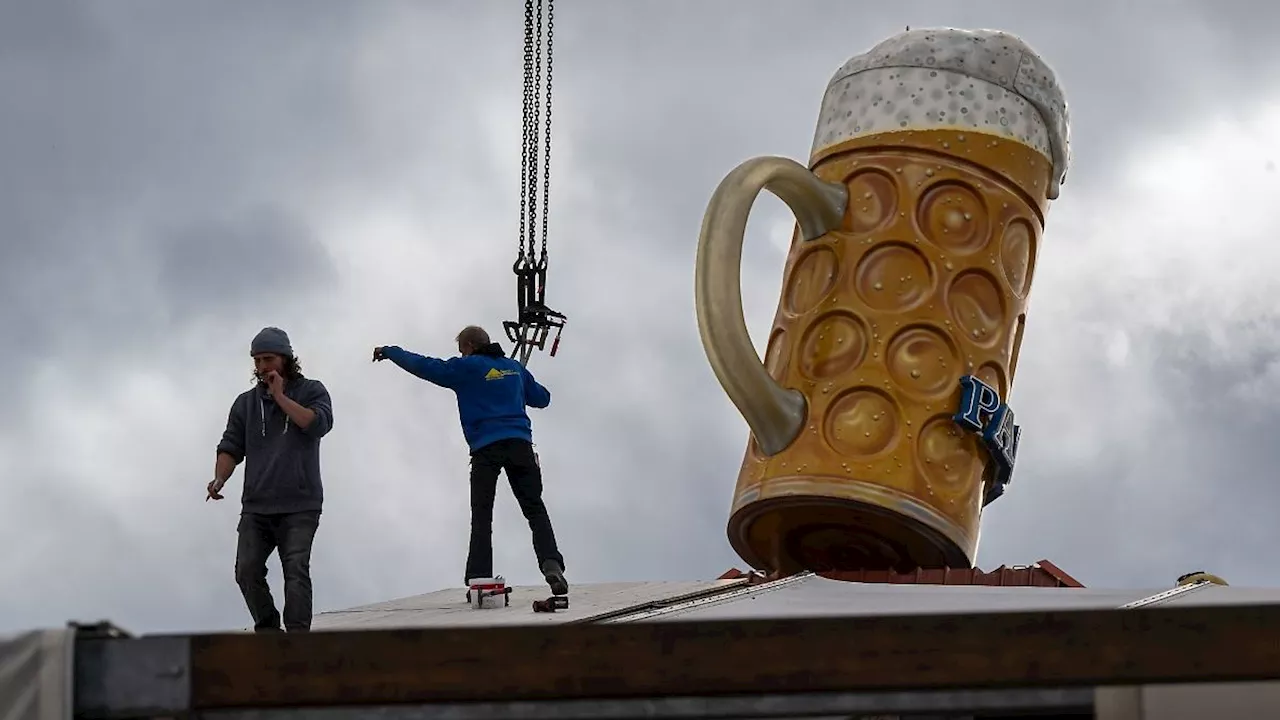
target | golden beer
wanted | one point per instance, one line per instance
(935, 157)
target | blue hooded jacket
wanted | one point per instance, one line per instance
(492, 391)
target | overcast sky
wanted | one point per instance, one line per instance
(174, 176)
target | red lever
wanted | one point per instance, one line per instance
(555, 345)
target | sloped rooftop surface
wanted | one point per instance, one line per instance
(1225, 595)
(815, 596)
(736, 595)
(448, 608)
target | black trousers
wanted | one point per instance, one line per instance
(292, 535)
(525, 476)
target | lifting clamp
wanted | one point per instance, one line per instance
(535, 319)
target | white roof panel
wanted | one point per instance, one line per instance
(1210, 594)
(814, 596)
(795, 597)
(449, 608)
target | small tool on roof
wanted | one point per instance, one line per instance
(551, 604)
(480, 588)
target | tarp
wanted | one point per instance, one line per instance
(37, 674)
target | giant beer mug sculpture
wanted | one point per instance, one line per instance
(878, 424)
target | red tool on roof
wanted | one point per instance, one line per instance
(480, 589)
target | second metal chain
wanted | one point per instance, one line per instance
(546, 158)
(533, 128)
(526, 165)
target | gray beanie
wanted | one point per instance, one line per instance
(271, 340)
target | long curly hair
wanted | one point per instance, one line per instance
(292, 371)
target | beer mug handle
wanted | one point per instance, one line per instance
(776, 415)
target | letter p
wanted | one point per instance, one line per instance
(978, 400)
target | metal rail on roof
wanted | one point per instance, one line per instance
(726, 588)
(1166, 595)
(746, 591)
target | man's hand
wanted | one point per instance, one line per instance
(275, 383)
(378, 354)
(214, 489)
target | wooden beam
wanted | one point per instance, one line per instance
(996, 650)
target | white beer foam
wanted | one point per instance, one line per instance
(985, 81)
(888, 99)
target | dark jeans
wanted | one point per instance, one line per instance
(260, 535)
(517, 458)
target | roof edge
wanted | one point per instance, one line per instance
(1059, 574)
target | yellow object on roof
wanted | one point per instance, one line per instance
(1200, 576)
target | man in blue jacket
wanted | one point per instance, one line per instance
(493, 391)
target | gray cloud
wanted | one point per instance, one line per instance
(175, 178)
(255, 259)
(1175, 476)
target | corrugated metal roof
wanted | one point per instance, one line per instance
(448, 608)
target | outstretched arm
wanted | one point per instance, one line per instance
(535, 395)
(433, 370)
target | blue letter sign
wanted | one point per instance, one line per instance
(982, 412)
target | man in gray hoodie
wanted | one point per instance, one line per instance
(275, 427)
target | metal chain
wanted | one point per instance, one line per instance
(535, 125)
(532, 127)
(546, 158)
(529, 99)
(529, 330)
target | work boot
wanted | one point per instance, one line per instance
(554, 575)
